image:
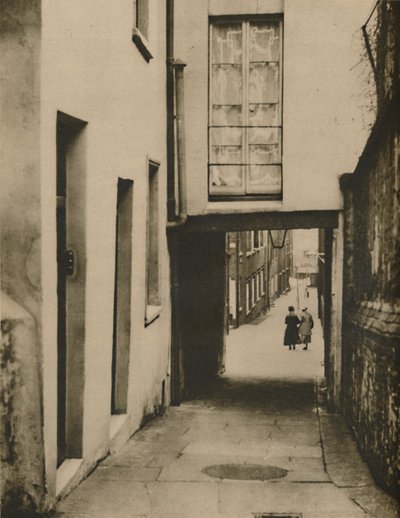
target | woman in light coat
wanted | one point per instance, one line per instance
(306, 324)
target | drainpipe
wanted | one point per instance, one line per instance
(175, 104)
(176, 297)
(178, 67)
(237, 252)
(171, 203)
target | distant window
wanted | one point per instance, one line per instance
(254, 290)
(263, 281)
(250, 242)
(248, 296)
(245, 121)
(256, 239)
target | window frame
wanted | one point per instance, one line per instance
(141, 27)
(248, 296)
(249, 243)
(254, 290)
(262, 280)
(228, 194)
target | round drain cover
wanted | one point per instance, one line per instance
(245, 471)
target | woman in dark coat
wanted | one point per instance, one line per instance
(291, 333)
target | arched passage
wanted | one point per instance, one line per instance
(198, 295)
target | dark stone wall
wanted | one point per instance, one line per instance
(371, 299)
(23, 484)
(21, 434)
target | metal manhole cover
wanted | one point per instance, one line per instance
(245, 472)
(279, 515)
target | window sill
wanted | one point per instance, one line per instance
(235, 206)
(142, 44)
(152, 313)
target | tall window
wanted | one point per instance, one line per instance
(245, 114)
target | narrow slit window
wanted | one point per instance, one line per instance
(153, 252)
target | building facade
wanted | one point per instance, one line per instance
(280, 261)
(258, 273)
(85, 269)
(248, 137)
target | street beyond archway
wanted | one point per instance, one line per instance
(256, 350)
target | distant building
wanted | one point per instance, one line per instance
(305, 256)
(258, 273)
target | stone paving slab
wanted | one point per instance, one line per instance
(108, 496)
(143, 458)
(309, 437)
(279, 449)
(284, 497)
(374, 502)
(161, 460)
(239, 450)
(133, 473)
(301, 469)
(230, 432)
(184, 497)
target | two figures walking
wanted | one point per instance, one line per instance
(298, 330)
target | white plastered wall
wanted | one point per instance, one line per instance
(91, 70)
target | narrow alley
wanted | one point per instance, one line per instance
(256, 443)
(176, 175)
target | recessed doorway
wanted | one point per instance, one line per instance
(122, 297)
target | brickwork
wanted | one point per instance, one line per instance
(371, 309)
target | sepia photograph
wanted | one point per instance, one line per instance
(200, 258)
